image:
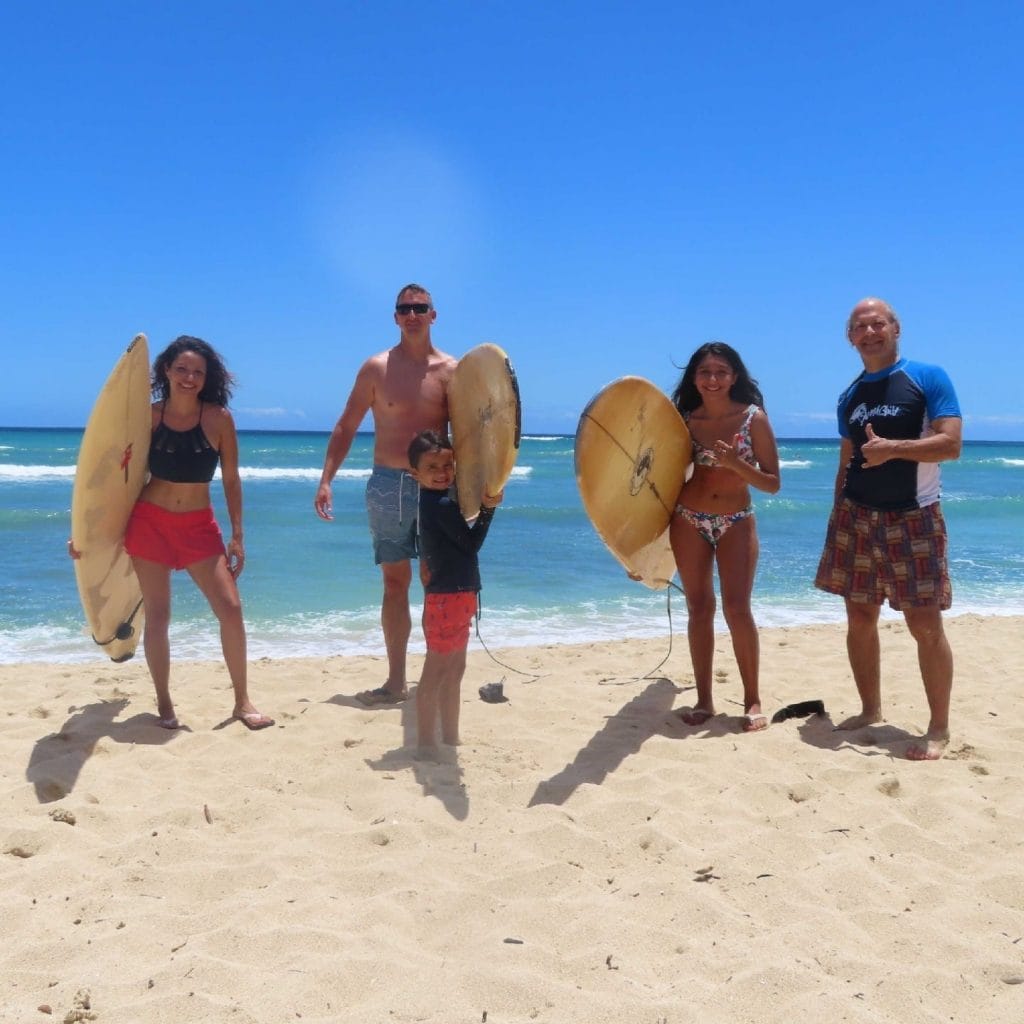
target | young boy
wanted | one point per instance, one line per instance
(448, 547)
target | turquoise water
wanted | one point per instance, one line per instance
(310, 588)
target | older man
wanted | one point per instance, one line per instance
(886, 536)
(406, 389)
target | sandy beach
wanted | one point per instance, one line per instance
(586, 857)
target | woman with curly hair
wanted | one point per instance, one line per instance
(733, 450)
(172, 525)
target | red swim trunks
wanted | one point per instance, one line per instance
(446, 619)
(175, 539)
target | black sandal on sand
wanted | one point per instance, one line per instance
(801, 709)
(382, 696)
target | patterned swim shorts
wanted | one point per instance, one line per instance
(446, 619)
(392, 502)
(872, 556)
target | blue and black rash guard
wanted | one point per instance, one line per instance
(900, 402)
(448, 544)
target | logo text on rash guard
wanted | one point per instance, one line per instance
(862, 413)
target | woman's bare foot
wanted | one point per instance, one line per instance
(696, 716)
(754, 719)
(930, 747)
(861, 720)
(251, 718)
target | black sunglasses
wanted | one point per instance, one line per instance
(405, 308)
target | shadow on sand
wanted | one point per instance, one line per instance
(623, 733)
(57, 759)
(440, 777)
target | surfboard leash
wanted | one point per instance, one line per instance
(668, 611)
(124, 629)
(497, 661)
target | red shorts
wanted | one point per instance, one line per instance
(872, 556)
(175, 539)
(446, 619)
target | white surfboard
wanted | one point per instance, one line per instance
(111, 471)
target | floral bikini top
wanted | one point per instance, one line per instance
(706, 456)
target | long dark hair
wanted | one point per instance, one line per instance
(219, 384)
(744, 388)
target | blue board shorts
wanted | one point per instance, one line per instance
(392, 502)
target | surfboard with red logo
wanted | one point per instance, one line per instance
(110, 474)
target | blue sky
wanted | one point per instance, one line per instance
(598, 187)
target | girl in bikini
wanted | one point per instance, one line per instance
(733, 450)
(172, 525)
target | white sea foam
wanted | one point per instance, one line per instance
(311, 473)
(13, 474)
(357, 632)
(40, 474)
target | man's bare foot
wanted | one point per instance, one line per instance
(930, 747)
(696, 716)
(427, 752)
(861, 720)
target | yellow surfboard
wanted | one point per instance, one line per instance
(486, 421)
(111, 471)
(632, 453)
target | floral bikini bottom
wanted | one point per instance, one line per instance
(712, 525)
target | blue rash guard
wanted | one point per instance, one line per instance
(900, 402)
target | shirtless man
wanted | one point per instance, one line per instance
(406, 389)
(886, 536)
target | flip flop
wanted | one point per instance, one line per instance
(801, 709)
(381, 697)
(170, 723)
(254, 720)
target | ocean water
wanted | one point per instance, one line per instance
(310, 588)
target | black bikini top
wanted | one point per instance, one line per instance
(182, 456)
